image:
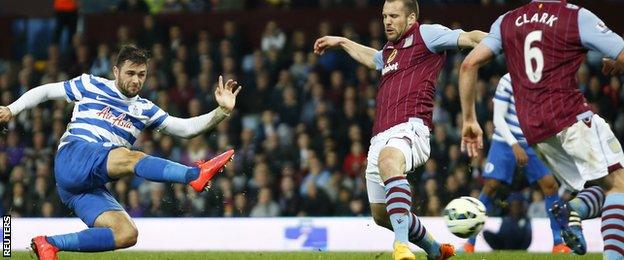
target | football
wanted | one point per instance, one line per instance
(465, 216)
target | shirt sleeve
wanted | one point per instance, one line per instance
(74, 88)
(37, 95)
(595, 35)
(378, 60)
(493, 39)
(156, 117)
(190, 127)
(439, 38)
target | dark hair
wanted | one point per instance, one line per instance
(411, 6)
(133, 54)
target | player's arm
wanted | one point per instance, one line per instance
(362, 54)
(472, 135)
(191, 127)
(33, 98)
(502, 99)
(439, 38)
(595, 35)
(501, 105)
(470, 39)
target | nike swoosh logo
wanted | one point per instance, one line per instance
(100, 98)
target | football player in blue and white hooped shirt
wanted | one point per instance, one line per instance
(107, 119)
(509, 149)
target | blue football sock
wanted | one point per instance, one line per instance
(161, 170)
(89, 240)
(554, 226)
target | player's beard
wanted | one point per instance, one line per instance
(127, 90)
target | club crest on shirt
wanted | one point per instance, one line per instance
(392, 56)
(602, 27)
(135, 110)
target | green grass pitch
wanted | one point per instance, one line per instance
(520, 255)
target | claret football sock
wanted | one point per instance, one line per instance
(398, 204)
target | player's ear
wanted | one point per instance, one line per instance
(411, 18)
(115, 71)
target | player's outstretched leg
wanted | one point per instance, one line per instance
(586, 205)
(122, 161)
(549, 188)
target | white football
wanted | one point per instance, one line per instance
(465, 216)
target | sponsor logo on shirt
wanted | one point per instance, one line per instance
(389, 68)
(119, 120)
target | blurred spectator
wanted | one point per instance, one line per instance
(66, 12)
(537, 208)
(101, 64)
(265, 207)
(273, 37)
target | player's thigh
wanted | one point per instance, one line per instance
(535, 169)
(89, 205)
(560, 163)
(81, 166)
(121, 162)
(412, 140)
(501, 163)
(372, 159)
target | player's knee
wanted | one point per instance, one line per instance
(548, 185)
(390, 164)
(129, 159)
(126, 236)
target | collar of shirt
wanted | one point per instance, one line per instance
(400, 43)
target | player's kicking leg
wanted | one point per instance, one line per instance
(82, 169)
(123, 162)
(396, 209)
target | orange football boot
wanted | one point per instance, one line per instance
(208, 169)
(43, 249)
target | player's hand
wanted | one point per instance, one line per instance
(520, 154)
(5, 114)
(325, 42)
(226, 95)
(612, 67)
(472, 138)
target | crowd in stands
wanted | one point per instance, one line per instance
(301, 128)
